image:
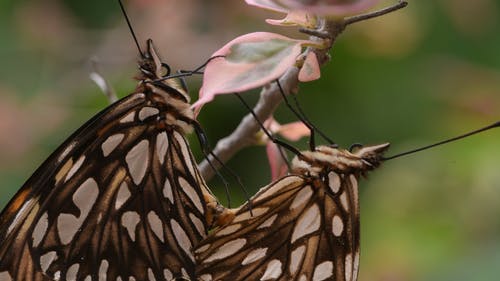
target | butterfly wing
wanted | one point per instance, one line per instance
(121, 198)
(301, 228)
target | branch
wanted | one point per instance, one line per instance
(270, 97)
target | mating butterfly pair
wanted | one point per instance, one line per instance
(122, 199)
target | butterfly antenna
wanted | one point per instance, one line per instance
(186, 73)
(303, 118)
(130, 28)
(492, 126)
(268, 134)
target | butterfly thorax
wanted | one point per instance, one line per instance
(326, 158)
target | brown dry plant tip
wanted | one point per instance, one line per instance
(101, 82)
(384, 11)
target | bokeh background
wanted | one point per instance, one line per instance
(414, 77)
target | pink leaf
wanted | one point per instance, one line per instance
(291, 131)
(277, 164)
(310, 69)
(249, 61)
(294, 131)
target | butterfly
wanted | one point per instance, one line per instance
(304, 226)
(120, 199)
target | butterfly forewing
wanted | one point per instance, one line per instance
(121, 198)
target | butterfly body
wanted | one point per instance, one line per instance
(121, 198)
(304, 226)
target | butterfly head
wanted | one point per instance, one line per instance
(151, 65)
(327, 158)
(156, 73)
(372, 156)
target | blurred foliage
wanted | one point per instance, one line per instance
(411, 78)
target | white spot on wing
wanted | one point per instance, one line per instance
(348, 267)
(182, 238)
(128, 118)
(309, 222)
(47, 259)
(202, 248)
(343, 201)
(186, 155)
(167, 191)
(72, 272)
(191, 193)
(198, 224)
(184, 273)
(168, 274)
(302, 196)
(151, 275)
(137, 160)
(122, 196)
(273, 270)
(40, 229)
(268, 222)
(354, 186)
(66, 151)
(5, 276)
(355, 266)
(246, 215)
(57, 275)
(75, 167)
(227, 249)
(206, 277)
(129, 221)
(20, 214)
(156, 225)
(228, 229)
(337, 226)
(84, 198)
(303, 278)
(147, 112)
(111, 143)
(334, 182)
(323, 271)
(161, 146)
(296, 258)
(103, 270)
(254, 255)
(268, 190)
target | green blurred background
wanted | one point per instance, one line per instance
(411, 78)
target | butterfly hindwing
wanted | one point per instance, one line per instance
(300, 228)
